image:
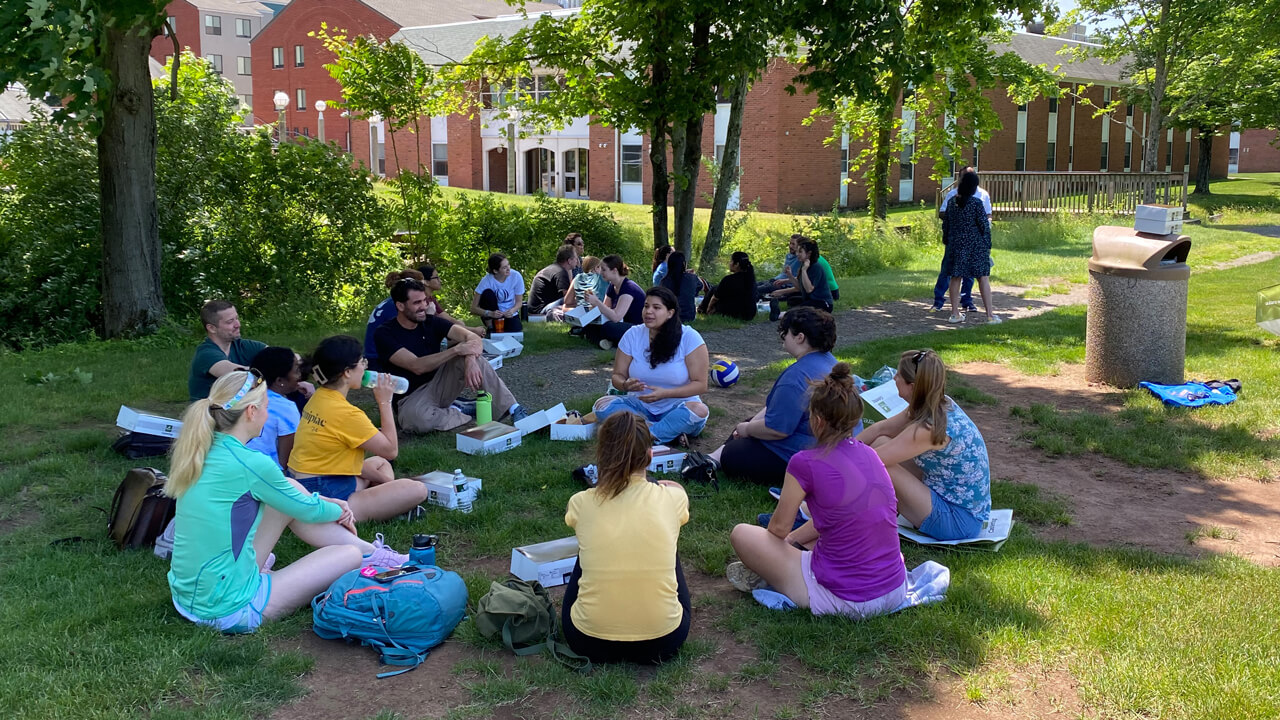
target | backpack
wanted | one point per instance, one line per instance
(524, 616)
(402, 618)
(134, 445)
(139, 511)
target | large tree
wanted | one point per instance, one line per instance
(92, 55)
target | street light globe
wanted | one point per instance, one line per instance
(320, 105)
(281, 100)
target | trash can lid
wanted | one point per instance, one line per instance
(1124, 251)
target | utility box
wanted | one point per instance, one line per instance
(1137, 319)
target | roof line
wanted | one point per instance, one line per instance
(1055, 37)
(501, 18)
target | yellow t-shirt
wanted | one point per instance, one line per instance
(627, 550)
(329, 436)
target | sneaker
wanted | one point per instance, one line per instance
(970, 308)
(935, 308)
(586, 475)
(576, 331)
(606, 344)
(994, 320)
(763, 520)
(270, 563)
(383, 555)
(743, 578)
(467, 407)
(518, 412)
(413, 514)
(775, 311)
(956, 319)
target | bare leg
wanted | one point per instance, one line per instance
(984, 287)
(377, 470)
(954, 293)
(293, 586)
(698, 409)
(915, 500)
(325, 534)
(773, 559)
(385, 501)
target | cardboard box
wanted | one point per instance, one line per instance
(492, 437)
(665, 459)
(550, 563)
(495, 361)
(583, 315)
(536, 318)
(1158, 227)
(440, 488)
(560, 430)
(505, 347)
(1158, 213)
(500, 336)
(536, 421)
(140, 422)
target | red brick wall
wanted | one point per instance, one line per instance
(1219, 155)
(189, 28)
(601, 163)
(465, 153)
(1088, 137)
(761, 130)
(1000, 151)
(1257, 154)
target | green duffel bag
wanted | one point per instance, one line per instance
(524, 616)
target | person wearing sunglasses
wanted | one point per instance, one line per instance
(233, 504)
(329, 448)
(935, 455)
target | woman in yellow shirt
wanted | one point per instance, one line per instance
(627, 600)
(333, 435)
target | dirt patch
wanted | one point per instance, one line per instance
(1247, 259)
(1113, 503)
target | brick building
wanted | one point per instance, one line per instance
(1256, 151)
(219, 31)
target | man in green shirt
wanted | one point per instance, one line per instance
(222, 351)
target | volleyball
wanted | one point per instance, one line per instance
(724, 372)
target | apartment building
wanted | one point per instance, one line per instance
(219, 31)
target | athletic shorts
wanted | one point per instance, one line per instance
(245, 620)
(824, 602)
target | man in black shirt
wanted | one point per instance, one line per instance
(409, 345)
(552, 283)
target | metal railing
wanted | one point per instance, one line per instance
(1049, 193)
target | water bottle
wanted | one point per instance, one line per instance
(460, 493)
(484, 407)
(423, 551)
(400, 385)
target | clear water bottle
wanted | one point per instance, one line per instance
(401, 385)
(460, 492)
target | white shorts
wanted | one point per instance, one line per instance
(824, 602)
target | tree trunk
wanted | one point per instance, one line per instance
(660, 183)
(132, 302)
(689, 163)
(1202, 163)
(728, 174)
(879, 186)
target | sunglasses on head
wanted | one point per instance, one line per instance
(252, 380)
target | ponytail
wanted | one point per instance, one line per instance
(622, 450)
(199, 422)
(835, 400)
(926, 373)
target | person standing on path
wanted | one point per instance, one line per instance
(944, 274)
(967, 229)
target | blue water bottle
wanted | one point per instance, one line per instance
(423, 551)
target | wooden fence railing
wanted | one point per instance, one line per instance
(1048, 193)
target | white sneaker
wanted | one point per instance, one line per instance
(994, 320)
(606, 344)
(956, 319)
(742, 578)
(383, 555)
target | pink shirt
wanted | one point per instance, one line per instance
(857, 556)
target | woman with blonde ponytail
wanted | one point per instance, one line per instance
(855, 567)
(934, 453)
(233, 503)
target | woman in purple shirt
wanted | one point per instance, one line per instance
(855, 568)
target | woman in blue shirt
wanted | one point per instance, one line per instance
(759, 449)
(281, 370)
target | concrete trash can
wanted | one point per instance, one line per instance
(1137, 320)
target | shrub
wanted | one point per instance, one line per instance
(862, 247)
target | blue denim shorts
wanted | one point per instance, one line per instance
(245, 620)
(949, 522)
(338, 487)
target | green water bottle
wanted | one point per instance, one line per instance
(484, 407)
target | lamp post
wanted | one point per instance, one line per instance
(281, 101)
(320, 104)
(346, 114)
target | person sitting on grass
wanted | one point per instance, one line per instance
(383, 312)
(855, 567)
(660, 255)
(432, 285)
(934, 453)
(233, 503)
(329, 448)
(281, 369)
(222, 351)
(684, 285)
(499, 296)
(627, 599)
(553, 284)
(785, 277)
(662, 366)
(588, 279)
(735, 296)
(760, 448)
(812, 289)
(621, 306)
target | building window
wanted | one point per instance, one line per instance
(1128, 110)
(1128, 154)
(1053, 105)
(247, 101)
(1168, 155)
(297, 56)
(215, 61)
(1020, 158)
(277, 57)
(631, 163)
(440, 160)
(1233, 156)
(1106, 154)
(243, 27)
(212, 24)
(1022, 107)
(905, 165)
(1186, 155)
(844, 161)
(172, 25)
(242, 66)
(1051, 160)
(301, 95)
(975, 156)
(1106, 96)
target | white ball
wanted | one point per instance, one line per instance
(724, 372)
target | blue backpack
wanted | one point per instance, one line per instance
(402, 618)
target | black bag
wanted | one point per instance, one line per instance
(139, 511)
(134, 445)
(698, 468)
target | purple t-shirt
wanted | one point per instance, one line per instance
(855, 511)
